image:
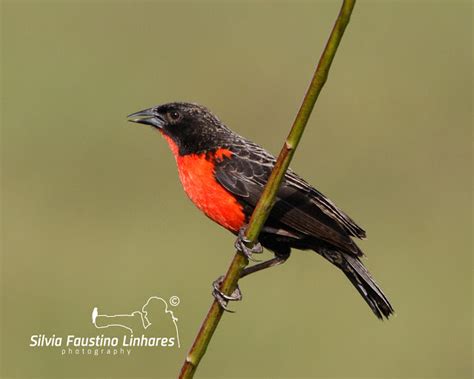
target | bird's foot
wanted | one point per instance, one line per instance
(221, 297)
(241, 245)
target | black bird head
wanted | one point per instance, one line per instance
(192, 127)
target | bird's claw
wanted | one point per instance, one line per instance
(241, 245)
(221, 297)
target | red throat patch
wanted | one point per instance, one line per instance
(196, 172)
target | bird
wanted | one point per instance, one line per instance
(224, 175)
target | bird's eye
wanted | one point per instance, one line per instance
(174, 115)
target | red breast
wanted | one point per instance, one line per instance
(196, 172)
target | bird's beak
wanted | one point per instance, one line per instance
(147, 117)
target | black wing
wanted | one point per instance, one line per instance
(299, 207)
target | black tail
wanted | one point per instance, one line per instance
(362, 281)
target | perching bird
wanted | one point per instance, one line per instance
(224, 175)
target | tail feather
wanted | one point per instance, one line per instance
(362, 281)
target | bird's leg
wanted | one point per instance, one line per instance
(223, 299)
(241, 245)
(278, 260)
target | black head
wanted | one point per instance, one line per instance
(192, 127)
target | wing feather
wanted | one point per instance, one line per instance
(299, 206)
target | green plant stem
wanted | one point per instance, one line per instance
(266, 201)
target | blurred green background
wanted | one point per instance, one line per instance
(93, 213)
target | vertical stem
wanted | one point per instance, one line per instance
(265, 203)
